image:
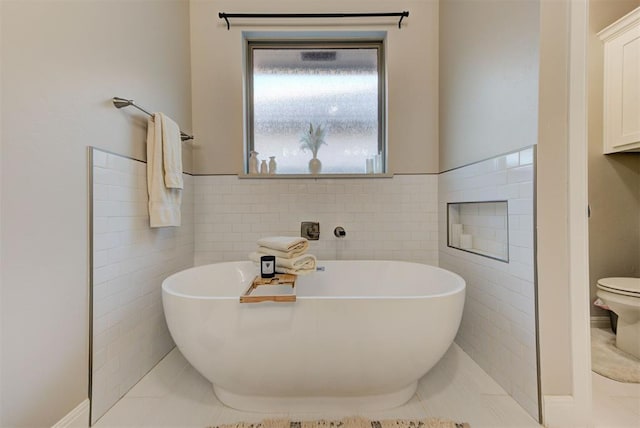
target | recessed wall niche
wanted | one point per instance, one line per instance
(479, 227)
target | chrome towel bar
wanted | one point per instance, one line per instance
(123, 102)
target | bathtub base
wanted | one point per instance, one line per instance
(261, 404)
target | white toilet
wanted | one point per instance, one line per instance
(622, 295)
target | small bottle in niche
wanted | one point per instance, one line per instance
(264, 169)
(272, 165)
(268, 266)
(253, 162)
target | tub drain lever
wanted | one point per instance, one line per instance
(339, 232)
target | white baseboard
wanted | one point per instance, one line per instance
(600, 322)
(561, 411)
(77, 418)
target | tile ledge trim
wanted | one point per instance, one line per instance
(128, 157)
(533, 146)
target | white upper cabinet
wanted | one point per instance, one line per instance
(622, 84)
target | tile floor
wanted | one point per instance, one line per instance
(173, 394)
(615, 404)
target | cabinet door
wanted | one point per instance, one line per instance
(622, 92)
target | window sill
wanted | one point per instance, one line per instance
(315, 176)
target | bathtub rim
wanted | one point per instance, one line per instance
(458, 283)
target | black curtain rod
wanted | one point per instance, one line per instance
(226, 16)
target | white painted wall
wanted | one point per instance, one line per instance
(552, 208)
(1, 263)
(61, 63)
(412, 77)
(614, 180)
(488, 78)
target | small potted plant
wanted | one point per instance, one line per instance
(312, 140)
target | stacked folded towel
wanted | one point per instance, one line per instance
(290, 252)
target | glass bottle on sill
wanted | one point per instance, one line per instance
(272, 165)
(253, 162)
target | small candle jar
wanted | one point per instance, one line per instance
(268, 266)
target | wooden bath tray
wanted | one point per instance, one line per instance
(284, 282)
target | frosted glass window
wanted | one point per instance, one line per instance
(339, 88)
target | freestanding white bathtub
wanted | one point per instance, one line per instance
(359, 337)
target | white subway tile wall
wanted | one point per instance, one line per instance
(498, 325)
(391, 218)
(399, 218)
(130, 260)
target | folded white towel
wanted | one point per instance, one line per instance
(300, 265)
(284, 254)
(164, 203)
(290, 246)
(172, 152)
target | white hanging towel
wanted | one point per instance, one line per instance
(172, 152)
(164, 202)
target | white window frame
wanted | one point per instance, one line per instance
(319, 41)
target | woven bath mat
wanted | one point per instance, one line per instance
(354, 422)
(611, 362)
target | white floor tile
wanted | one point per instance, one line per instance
(174, 394)
(615, 404)
(631, 404)
(160, 381)
(457, 369)
(615, 389)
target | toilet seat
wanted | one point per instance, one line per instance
(623, 286)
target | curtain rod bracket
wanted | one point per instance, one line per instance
(401, 18)
(224, 16)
